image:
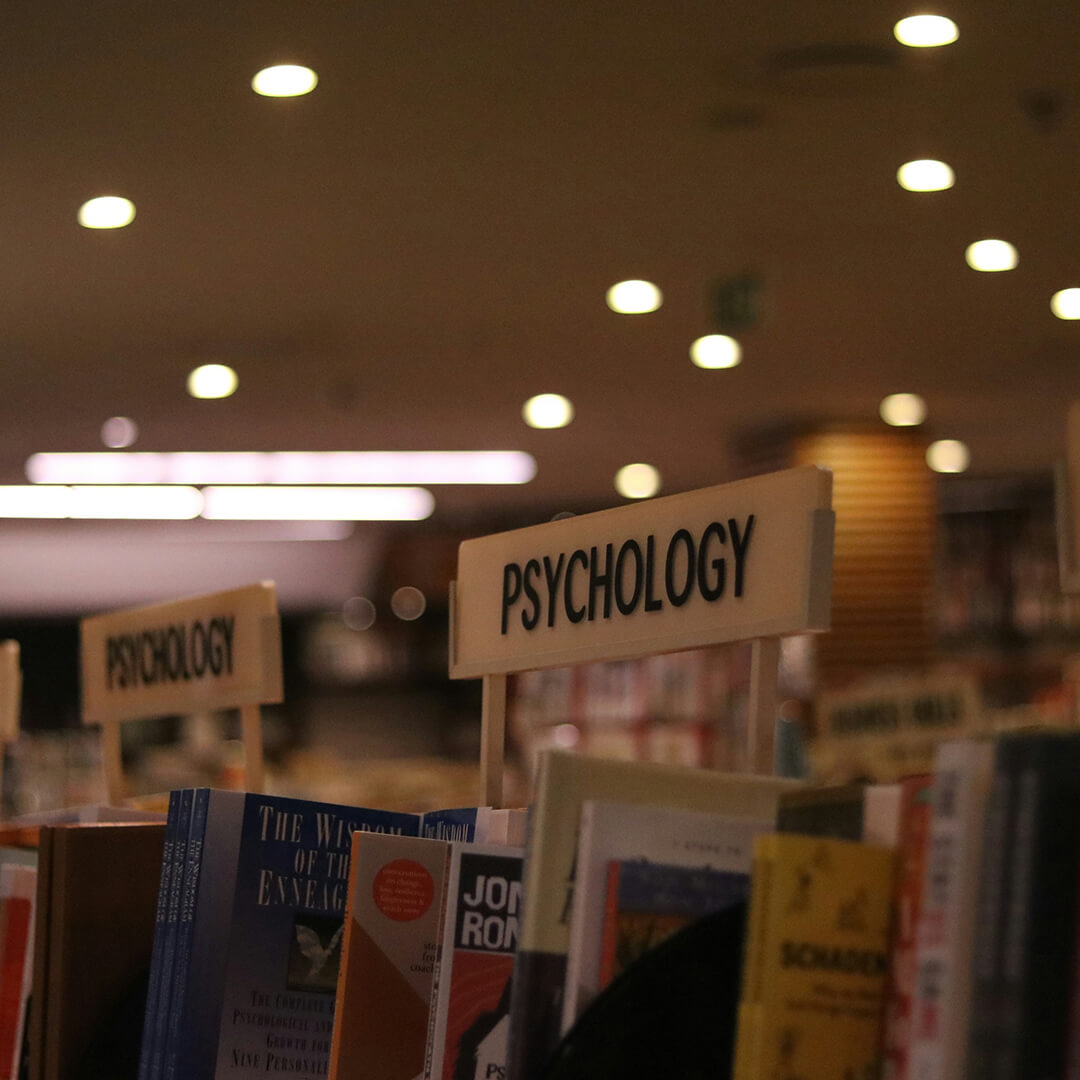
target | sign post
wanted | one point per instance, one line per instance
(747, 561)
(219, 651)
(10, 697)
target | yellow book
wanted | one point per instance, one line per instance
(817, 960)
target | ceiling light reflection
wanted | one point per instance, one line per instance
(284, 80)
(903, 410)
(925, 174)
(634, 297)
(715, 351)
(106, 212)
(212, 381)
(119, 431)
(991, 256)
(637, 481)
(926, 31)
(1066, 304)
(548, 411)
(948, 456)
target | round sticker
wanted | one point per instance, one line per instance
(403, 890)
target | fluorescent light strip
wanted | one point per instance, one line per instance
(180, 503)
(317, 504)
(298, 468)
(104, 503)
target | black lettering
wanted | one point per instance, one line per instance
(552, 576)
(199, 649)
(651, 603)
(112, 660)
(511, 590)
(596, 580)
(679, 598)
(575, 615)
(632, 547)
(161, 659)
(711, 592)
(228, 625)
(740, 545)
(532, 569)
(146, 645)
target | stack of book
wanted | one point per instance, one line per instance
(926, 928)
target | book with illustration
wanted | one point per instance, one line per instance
(625, 834)
(261, 924)
(817, 957)
(471, 996)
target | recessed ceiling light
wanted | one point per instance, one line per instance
(212, 381)
(1066, 304)
(548, 411)
(926, 31)
(716, 351)
(634, 297)
(317, 503)
(284, 80)
(119, 431)
(948, 456)
(106, 212)
(637, 481)
(903, 410)
(302, 467)
(991, 256)
(925, 174)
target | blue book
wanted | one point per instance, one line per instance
(154, 985)
(168, 932)
(461, 823)
(257, 961)
(154, 982)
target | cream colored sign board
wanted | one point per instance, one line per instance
(218, 651)
(751, 559)
(888, 728)
(1068, 505)
(10, 691)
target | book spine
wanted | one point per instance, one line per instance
(990, 912)
(174, 1043)
(157, 957)
(749, 1018)
(963, 774)
(440, 979)
(610, 934)
(166, 981)
(343, 969)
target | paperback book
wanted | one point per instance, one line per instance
(471, 996)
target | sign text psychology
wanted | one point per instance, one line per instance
(175, 653)
(599, 583)
(735, 562)
(218, 651)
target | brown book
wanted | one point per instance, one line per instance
(94, 933)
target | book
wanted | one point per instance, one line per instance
(160, 978)
(648, 902)
(564, 781)
(915, 809)
(614, 832)
(471, 993)
(944, 949)
(392, 925)
(94, 933)
(256, 973)
(1030, 1009)
(472, 823)
(869, 812)
(817, 959)
(18, 885)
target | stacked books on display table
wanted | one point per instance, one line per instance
(656, 920)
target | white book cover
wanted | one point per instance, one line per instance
(963, 776)
(470, 998)
(616, 831)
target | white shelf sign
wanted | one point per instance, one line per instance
(10, 691)
(218, 651)
(741, 561)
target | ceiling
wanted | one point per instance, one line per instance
(401, 258)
